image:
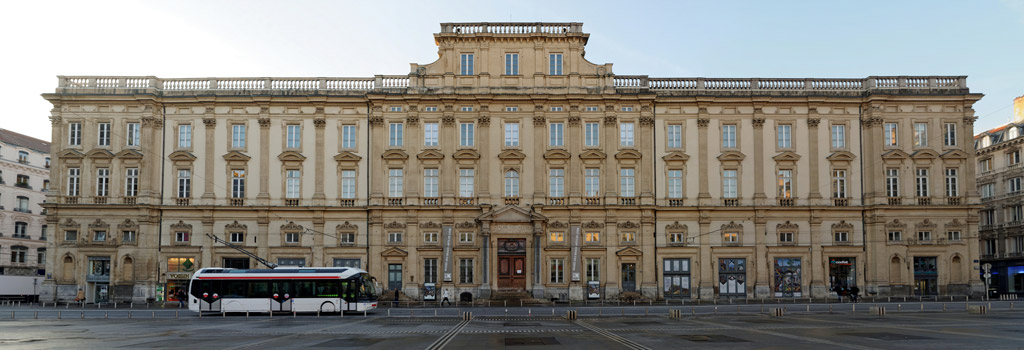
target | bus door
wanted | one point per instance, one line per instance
(209, 298)
(281, 295)
(348, 295)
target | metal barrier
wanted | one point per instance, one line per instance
(777, 311)
(466, 316)
(675, 314)
(877, 311)
(570, 315)
(977, 309)
(1008, 297)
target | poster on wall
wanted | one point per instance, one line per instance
(594, 289)
(787, 277)
(429, 291)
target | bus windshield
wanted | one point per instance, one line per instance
(366, 289)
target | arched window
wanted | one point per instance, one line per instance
(511, 183)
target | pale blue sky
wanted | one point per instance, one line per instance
(847, 39)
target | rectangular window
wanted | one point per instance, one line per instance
(557, 270)
(892, 182)
(841, 236)
(838, 183)
(593, 236)
(430, 183)
(238, 136)
(430, 109)
(626, 134)
(949, 134)
(395, 135)
(511, 134)
(557, 237)
(185, 136)
(466, 64)
(785, 237)
(512, 183)
(627, 183)
(920, 134)
(181, 236)
(430, 237)
(348, 184)
(294, 136)
(729, 184)
(626, 109)
(395, 183)
(291, 237)
(895, 236)
(557, 133)
(511, 64)
(952, 183)
(466, 237)
(839, 136)
(184, 183)
(785, 183)
(591, 109)
(628, 237)
(74, 181)
(730, 237)
(592, 182)
(1013, 157)
(99, 236)
(675, 184)
(237, 237)
(103, 134)
(134, 135)
(348, 136)
(556, 182)
(395, 109)
(985, 165)
(395, 237)
(891, 134)
(784, 134)
(676, 238)
(430, 134)
(128, 236)
(555, 64)
(465, 270)
(924, 235)
(592, 137)
(102, 182)
(292, 183)
(238, 184)
(988, 190)
(675, 136)
(556, 109)
(466, 134)
(1013, 185)
(593, 269)
(953, 236)
(70, 235)
(728, 136)
(921, 182)
(74, 134)
(466, 108)
(430, 270)
(1015, 213)
(511, 109)
(466, 177)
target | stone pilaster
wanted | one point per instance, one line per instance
(209, 133)
(814, 190)
(319, 123)
(264, 121)
(704, 197)
(758, 152)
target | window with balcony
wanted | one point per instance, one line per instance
(74, 182)
(627, 183)
(22, 181)
(395, 183)
(23, 157)
(131, 182)
(921, 182)
(729, 184)
(466, 186)
(293, 181)
(22, 205)
(892, 182)
(102, 182)
(592, 182)
(1014, 214)
(988, 190)
(20, 229)
(184, 183)
(952, 182)
(839, 184)
(626, 135)
(785, 183)
(1013, 185)
(133, 135)
(675, 184)
(238, 184)
(103, 134)
(185, 136)
(556, 183)
(430, 134)
(348, 184)
(511, 183)
(430, 182)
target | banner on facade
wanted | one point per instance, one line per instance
(575, 253)
(447, 231)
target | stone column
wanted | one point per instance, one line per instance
(485, 266)
(539, 147)
(414, 172)
(448, 139)
(706, 272)
(814, 193)
(574, 144)
(210, 130)
(819, 284)
(704, 197)
(264, 121)
(609, 144)
(319, 123)
(758, 152)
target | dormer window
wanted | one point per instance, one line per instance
(1012, 133)
(986, 141)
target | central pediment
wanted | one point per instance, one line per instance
(511, 214)
(236, 156)
(395, 154)
(430, 154)
(511, 154)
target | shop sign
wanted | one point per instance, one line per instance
(179, 275)
(842, 261)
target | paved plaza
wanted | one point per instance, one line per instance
(803, 326)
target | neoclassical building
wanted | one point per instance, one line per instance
(513, 165)
(24, 180)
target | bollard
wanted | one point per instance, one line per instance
(899, 307)
(570, 315)
(132, 305)
(854, 307)
(529, 312)
(943, 307)
(778, 312)
(58, 314)
(600, 312)
(646, 310)
(175, 313)
(12, 315)
(623, 312)
(293, 313)
(716, 310)
(435, 312)
(364, 313)
(830, 309)
(877, 311)
(738, 309)
(693, 311)
(152, 315)
(808, 308)
(389, 312)
(105, 315)
(130, 314)
(35, 315)
(317, 314)
(82, 316)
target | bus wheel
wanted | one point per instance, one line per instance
(327, 307)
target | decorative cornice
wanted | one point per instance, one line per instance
(557, 224)
(181, 225)
(732, 225)
(291, 226)
(98, 224)
(676, 226)
(210, 122)
(430, 224)
(346, 227)
(926, 224)
(895, 223)
(235, 226)
(574, 120)
(130, 224)
(465, 224)
(68, 223)
(842, 225)
(787, 226)
(703, 122)
(629, 224)
(593, 224)
(394, 224)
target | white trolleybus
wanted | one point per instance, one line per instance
(298, 289)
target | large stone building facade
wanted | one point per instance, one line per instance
(512, 164)
(24, 181)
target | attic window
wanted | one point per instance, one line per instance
(1012, 133)
(986, 141)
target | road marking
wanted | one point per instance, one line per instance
(784, 335)
(447, 337)
(628, 343)
(935, 330)
(245, 346)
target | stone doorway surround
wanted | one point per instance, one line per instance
(516, 223)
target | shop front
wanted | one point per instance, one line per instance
(842, 273)
(98, 280)
(179, 272)
(926, 274)
(788, 279)
(732, 277)
(677, 278)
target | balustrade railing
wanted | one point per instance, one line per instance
(395, 202)
(431, 201)
(841, 202)
(129, 200)
(556, 200)
(787, 202)
(183, 201)
(99, 200)
(895, 200)
(291, 202)
(237, 84)
(507, 28)
(924, 201)
(592, 200)
(627, 201)
(347, 202)
(953, 200)
(466, 201)
(678, 202)
(790, 84)
(511, 200)
(236, 202)
(731, 202)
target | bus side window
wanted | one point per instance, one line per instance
(303, 289)
(258, 290)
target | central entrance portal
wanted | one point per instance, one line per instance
(512, 263)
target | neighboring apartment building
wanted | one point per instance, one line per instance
(514, 165)
(24, 181)
(1002, 218)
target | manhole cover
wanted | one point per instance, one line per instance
(348, 343)
(534, 341)
(521, 324)
(713, 338)
(888, 336)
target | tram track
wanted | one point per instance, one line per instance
(441, 342)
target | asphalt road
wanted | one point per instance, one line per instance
(905, 326)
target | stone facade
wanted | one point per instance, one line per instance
(1002, 217)
(512, 164)
(24, 181)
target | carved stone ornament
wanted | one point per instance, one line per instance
(235, 226)
(895, 223)
(412, 120)
(209, 122)
(732, 225)
(813, 122)
(465, 224)
(55, 120)
(539, 121)
(128, 224)
(319, 123)
(646, 121)
(209, 110)
(448, 120)
(430, 224)
(181, 225)
(291, 227)
(593, 224)
(484, 120)
(969, 120)
(319, 110)
(629, 224)
(703, 122)
(98, 224)
(68, 223)
(394, 224)
(574, 121)
(956, 223)
(926, 224)
(758, 123)
(376, 120)
(609, 120)
(264, 110)
(557, 224)
(264, 122)
(346, 227)
(676, 226)
(787, 226)
(842, 225)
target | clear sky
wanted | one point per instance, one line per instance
(983, 39)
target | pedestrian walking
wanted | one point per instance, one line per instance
(854, 291)
(181, 298)
(444, 296)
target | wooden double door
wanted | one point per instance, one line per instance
(512, 272)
